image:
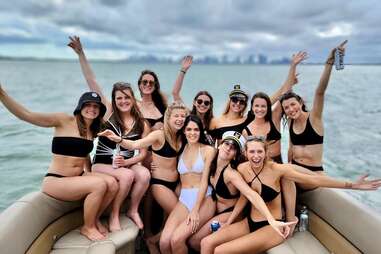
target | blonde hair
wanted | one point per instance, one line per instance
(173, 138)
(227, 108)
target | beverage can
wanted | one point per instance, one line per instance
(215, 225)
(339, 59)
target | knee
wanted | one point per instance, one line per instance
(126, 178)
(194, 242)
(177, 241)
(206, 244)
(219, 250)
(100, 185)
(143, 175)
(112, 185)
(165, 243)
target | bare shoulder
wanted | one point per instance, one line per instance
(207, 149)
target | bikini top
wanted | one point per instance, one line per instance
(152, 121)
(221, 189)
(272, 135)
(218, 132)
(167, 151)
(307, 137)
(72, 146)
(267, 193)
(197, 167)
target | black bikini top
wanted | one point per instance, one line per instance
(72, 146)
(307, 137)
(267, 193)
(272, 135)
(218, 132)
(221, 189)
(167, 151)
(152, 121)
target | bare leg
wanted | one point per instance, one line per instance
(141, 183)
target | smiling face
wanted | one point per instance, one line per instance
(90, 110)
(292, 108)
(259, 107)
(237, 104)
(256, 153)
(124, 100)
(202, 103)
(177, 118)
(227, 150)
(192, 132)
(147, 84)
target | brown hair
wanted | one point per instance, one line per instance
(174, 139)
(157, 97)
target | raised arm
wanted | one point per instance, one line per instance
(291, 172)
(154, 137)
(291, 77)
(318, 104)
(76, 45)
(185, 65)
(39, 119)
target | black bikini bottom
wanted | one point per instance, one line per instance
(312, 168)
(229, 209)
(59, 176)
(170, 185)
(255, 225)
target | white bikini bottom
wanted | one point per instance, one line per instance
(189, 197)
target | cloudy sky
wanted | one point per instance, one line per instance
(115, 29)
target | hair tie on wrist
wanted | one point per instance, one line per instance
(183, 71)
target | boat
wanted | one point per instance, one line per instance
(39, 224)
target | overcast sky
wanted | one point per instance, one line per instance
(115, 29)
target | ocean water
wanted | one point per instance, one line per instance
(352, 112)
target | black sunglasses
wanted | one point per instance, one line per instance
(238, 100)
(200, 101)
(145, 82)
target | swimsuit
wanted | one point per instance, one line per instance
(272, 135)
(152, 121)
(307, 137)
(218, 132)
(221, 189)
(170, 185)
(166, 151)
(312, 168)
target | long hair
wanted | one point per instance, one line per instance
(135, 112)
(268, 116)
(158, 98)
(196, 119)
(209, 114)
(227, 108)
(290, 95)
(238, 158)
(95, 126)
(173, 138)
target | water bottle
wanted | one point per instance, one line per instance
(303, 219)
(215, 225)
(209, 138)
(339, 59)
(115, 153)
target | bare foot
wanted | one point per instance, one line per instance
(136, 219)
(292, 227)
(152, 244)
(92, 233)
(102, 229)
(114, 223)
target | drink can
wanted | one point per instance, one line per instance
(339, 59)
(215, 225)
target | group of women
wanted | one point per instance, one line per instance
(197, 167)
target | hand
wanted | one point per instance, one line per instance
(292, 227)
(119, 161)
(282, 228)
(299, 57)
(193, 220)
(186, 63)
(110, 135)
(296, 80)
(341, 48)
(363, 184)
(75, 44)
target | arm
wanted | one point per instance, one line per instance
(39, 119)
(193, 217)
(238, 208)
(185, 65)
(289, 171)
(88, 73)
(317, 106)
(87, 167)
(152, 138)
(291, 77)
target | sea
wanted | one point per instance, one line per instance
(352, 112)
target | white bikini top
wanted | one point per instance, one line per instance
(197, 167)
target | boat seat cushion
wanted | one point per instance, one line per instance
(300, 243)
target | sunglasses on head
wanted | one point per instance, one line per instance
(147, 82)
(200, 101)
(238, 100)
(122, 85)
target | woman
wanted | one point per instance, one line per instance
(192, 208)
(72, 142)
(306, 128)
(227, 185)
(166, 145)
(202, 102)
(253, 234)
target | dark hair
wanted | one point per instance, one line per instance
(290, 95)
(196, 119)
(158, 98)
(268, 116)
(238, 158)
(95, 126)
(209, 114)
(135, 112)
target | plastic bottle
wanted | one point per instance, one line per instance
(303, 219)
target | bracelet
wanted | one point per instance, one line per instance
(348, 185)
(330, 61)
(183, 71)
(121, 139)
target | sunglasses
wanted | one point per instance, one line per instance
(147, 82)
(200, 101)
(238, 100)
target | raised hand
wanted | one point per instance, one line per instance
(340, 47)
(282, 228)
(363, 184)
(75, 44)
(186, 63)
(299, 57)
(110, 135)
